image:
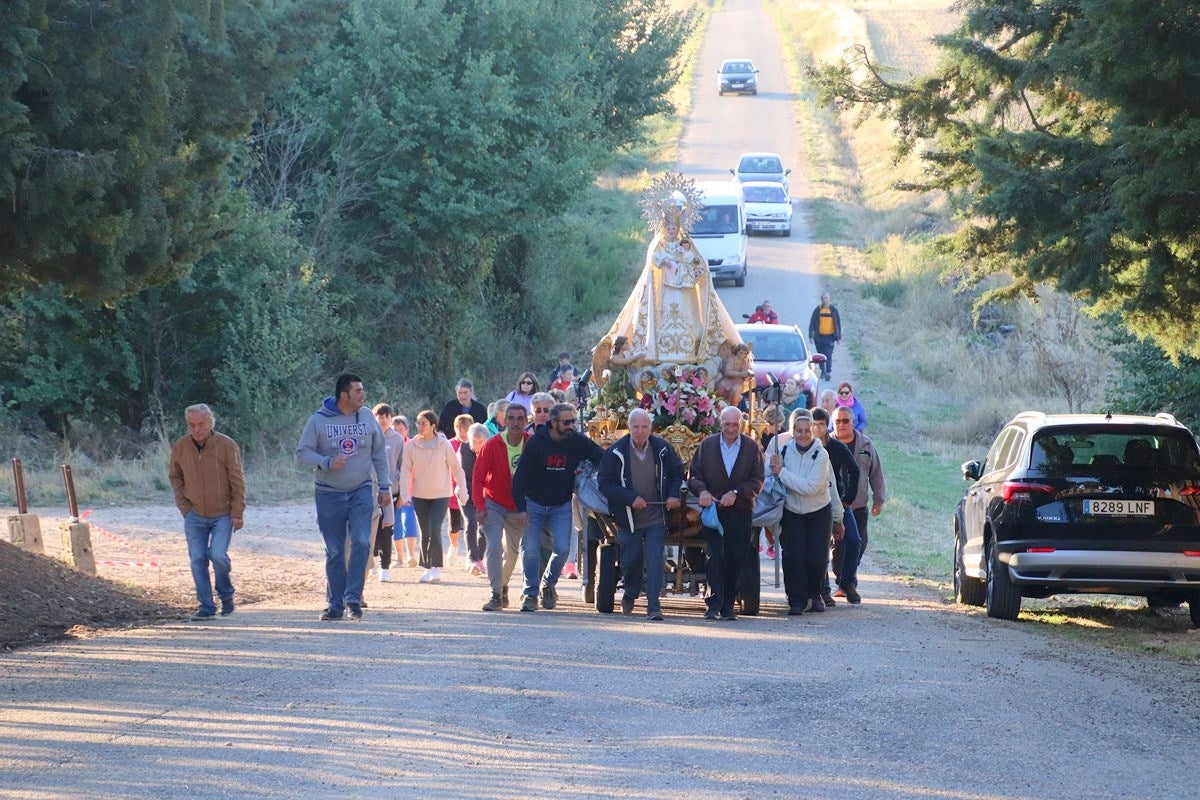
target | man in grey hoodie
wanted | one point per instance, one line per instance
(346, 447)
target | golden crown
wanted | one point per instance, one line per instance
(671, 199)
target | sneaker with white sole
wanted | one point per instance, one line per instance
(385, 575)
(426, 576)
(436, 577)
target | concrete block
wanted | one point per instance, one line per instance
(25, 531)
(77, 547)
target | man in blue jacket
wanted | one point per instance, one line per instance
(345, 447)
(641, 476)
(542, 488)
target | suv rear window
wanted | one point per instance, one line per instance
(760, 164)
(764, 194)
(1061, 450)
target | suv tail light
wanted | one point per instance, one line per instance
(1021, 492)
(1192, 553)
(1040, 550)
(1190, 491)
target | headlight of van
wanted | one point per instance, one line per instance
(733, 261)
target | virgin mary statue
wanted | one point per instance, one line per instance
(674, 314)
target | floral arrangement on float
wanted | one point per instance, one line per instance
(672, 396)
(684, 401)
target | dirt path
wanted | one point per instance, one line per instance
(902, 697)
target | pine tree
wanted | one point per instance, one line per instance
(1069, 133)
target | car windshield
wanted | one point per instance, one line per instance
(763, 164)
(716, 220)
(776, 345)
(764, 194)
(737, 67)
(1128, 449)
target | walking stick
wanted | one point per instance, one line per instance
(679, 538)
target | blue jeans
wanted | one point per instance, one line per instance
(208, 542)
(559, 518)
(846, 569)
(642, 561)
(342, 515)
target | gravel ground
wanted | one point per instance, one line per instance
(900, 697)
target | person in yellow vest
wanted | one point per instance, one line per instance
(825, 331)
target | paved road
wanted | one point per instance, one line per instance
(720, 129)
(902, 697)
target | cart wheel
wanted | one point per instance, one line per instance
(606, 581)
(751, 588)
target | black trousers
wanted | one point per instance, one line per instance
(725, 557)
(383, 546)
(805, 542)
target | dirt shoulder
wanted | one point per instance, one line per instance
(143, 575)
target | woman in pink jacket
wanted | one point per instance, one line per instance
(430, 473)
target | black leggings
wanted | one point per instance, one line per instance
(805, 542)
(383, 546)
(430, 516)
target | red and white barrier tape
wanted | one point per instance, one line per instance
(152, 560)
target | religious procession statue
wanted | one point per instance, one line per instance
(673, 349)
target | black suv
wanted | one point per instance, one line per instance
(1081, 503)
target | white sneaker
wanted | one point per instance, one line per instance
(450, 558)
(427, 576)
(384, 576)
(435, 576)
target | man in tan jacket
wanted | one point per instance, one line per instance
(210, 491)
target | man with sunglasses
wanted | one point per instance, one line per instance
(870, 472)
(542, 489)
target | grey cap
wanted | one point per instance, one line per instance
(799, 414)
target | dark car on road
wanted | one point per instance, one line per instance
(1081, 503)
(737, 75)
(780, 352)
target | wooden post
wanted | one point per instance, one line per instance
(76, 536)
(25, 531)
(77, 547)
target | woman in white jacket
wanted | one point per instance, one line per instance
(809, 510)
(429, 473)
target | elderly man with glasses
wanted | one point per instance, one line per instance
(870, 472)
(542, 488)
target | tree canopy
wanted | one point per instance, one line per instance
(231, 201)
(1068, 133)
(118, 120)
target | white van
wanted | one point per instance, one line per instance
(721, 232)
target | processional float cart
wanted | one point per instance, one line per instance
(675, 353)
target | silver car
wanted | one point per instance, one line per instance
(762, 167)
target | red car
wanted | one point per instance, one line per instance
(782, 351)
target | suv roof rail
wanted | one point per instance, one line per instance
(1166, 417)
(1038, 415)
